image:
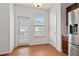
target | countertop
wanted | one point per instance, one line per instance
(65, 37)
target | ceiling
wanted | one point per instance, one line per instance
(46, 6)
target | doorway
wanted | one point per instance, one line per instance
(24, 27)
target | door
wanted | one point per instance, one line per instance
(74, 50)
(24, 29)
(73, 17)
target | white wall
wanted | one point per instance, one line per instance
(55, 28)
(4, 28)
(29, 12)
(59, 39)
(11, 27)
(60, 10)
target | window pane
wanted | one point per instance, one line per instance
(39, 28)
(23, 28)
(36, 28)
(39, 18)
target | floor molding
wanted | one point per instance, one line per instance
(6, 53)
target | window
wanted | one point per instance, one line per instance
(39, 28)
(39, 24)
(39, 19)
(23, 28)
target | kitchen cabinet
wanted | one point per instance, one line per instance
(65, 44)
(70, 8)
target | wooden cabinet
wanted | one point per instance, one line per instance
(65, 44)
(70, 8)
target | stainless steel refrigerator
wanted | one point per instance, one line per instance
(73, 32)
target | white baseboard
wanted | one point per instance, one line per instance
(39, 43)
(11, 49)
(59, 49)
(51, 43)
(4, 52)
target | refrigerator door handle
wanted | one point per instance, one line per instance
(77, 46)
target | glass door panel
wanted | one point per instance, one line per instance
(23, 25)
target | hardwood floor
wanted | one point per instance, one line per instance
(37, 50)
